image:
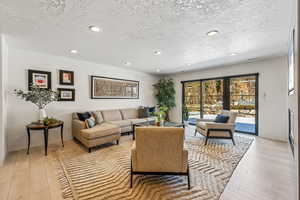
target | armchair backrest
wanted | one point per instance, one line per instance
(232, 115)
(159, 149)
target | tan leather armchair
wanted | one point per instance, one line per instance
(210, 129)
(159, 151)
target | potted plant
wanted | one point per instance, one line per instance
(40, 97)
(165, 94)
(161, 115)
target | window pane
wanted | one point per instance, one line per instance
(192, 100)
(212, 94)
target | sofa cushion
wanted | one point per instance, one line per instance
(135, 121)
(75, 116)
(121, 123)
(90, 122)
(111, 115)
(99, 117)
(130, 113)
(84, 116)
(102, 130)
(143, 112)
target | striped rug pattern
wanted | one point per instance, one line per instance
(105, 174)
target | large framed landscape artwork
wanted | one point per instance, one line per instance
(113, 88)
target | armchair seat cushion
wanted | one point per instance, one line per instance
(122, 123)
(102, 130)
(216, 133)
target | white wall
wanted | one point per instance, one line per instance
(21, 112)
(272, 92)
(3, 108)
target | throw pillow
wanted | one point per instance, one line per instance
(90, 122)
(99, 117)
(83, 116)
(143, 112)
(151, 111)
(221, 119)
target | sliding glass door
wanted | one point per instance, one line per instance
(243, 101)
(208, 97)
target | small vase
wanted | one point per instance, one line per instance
(42, 115)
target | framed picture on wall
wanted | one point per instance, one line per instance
(66, 77)
(113, 88)
(66, 94)
(41, 79)
(291, 64)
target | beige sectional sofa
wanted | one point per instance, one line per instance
(113, 123)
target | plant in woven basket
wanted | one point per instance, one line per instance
(38, 96)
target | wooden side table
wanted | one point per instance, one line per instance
(36, 126)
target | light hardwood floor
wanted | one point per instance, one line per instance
(264, 173)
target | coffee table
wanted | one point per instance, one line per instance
(165, 124)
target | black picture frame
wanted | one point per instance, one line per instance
(93, 96)
(31, 78)
(61, 77)
(291, 65)
(60, 90)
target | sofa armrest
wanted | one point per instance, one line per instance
(77, 126)
(185, 160)
(212, 125)
(133, 157)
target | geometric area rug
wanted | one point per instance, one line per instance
(105, 174)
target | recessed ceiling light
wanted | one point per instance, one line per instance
(157, 70)
(157, 52)
(73, 51)
(95, 28)
(212, 33)
(233, 54)
(188, 64)
(127, 63)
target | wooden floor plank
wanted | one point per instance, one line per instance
(6, 174)
(38, 180)
(19, 188)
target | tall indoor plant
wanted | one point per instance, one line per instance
(165, 94)
(40, 97)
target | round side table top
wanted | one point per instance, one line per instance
(37, 125)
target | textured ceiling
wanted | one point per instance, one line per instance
(134, 29)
